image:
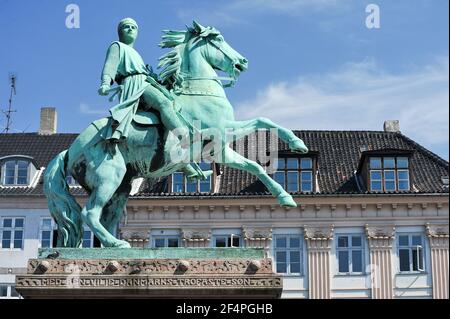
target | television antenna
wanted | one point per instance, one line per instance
(12, 81)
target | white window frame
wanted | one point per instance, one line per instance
(383, 170)
(43, 228)
(9, 287)
(410, 248)
(299, 170)
(13, 230)
(92, 238)
(166, 240)
(198, 182)
(300, 250)
(226, 234)
(16, 171)
(350, 249)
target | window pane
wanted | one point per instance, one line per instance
(292, 181)
(375, 162)
(18, 234)
(295, 268)
(7, 222)
(416, 259)
(18, 223)
(357, 261)
(235, 241)
(172, 242)
(403, 175)
(294, 242)
(375, 175)
(46, 235)
(159, 242)
(178, 182)
(221, 242)
(389, 162)
(205, 186)
(292, 163)
(421, 259)
(403, 240)
(279, 178)
(3, 290)
(6, 234)
(47, 223)
(343, 261)
(402, 162)
(342, 241)
(389, 186)
(281, 268)
(18, 243)
(403, 185)
(281, 164)
(356, 241)
(14, 292)
(417, 240)
(294, 256)
(280, 242)
(306, 181)
(306, 163)
(191, 187)
(87, 241)
(45, 243)
(281, 256)
(390, 175)
(6, 243)
(205, 166)
(404, 259)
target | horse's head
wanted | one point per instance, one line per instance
(197, 53)
(218, 53)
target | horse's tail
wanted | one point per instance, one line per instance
(62, 205)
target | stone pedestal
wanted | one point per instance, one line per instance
(150, 273)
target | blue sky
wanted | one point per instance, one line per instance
(313, 64)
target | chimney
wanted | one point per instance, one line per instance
(48, 121)
(392, 126)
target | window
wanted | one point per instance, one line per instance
(411, 253)
(47, 233)
(165, 241)
(15, 172)
(350, 254)
(180, 184)
(295, 174)
(88, 239)
(389, 174)
(71, 181)
(231, 240)
(8, 291)
(12, 232)
(287, 253)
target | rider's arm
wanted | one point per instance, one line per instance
(110, 68)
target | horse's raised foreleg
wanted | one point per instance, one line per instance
(105, 180)
(243, 128)
(235, 160)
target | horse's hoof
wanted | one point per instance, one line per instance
(297, 146)
(196, 177)
(286, 200)
(121, 244)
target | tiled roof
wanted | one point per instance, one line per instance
(338, 156)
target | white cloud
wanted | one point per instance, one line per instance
(86, 109)
(361, 96)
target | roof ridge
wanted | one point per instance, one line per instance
(425, 151)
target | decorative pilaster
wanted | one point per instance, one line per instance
(318, 240)
(136, 238)
(257, 237)
(439, 237)
(381, 239)
(194, 237)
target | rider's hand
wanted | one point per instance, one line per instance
(103, 90)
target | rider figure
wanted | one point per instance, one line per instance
(124, 65)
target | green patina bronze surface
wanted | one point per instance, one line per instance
(189, 99)
(152, 253)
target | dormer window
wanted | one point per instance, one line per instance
(295, 174)
(180, 183)
(15, 172)
(389, 173)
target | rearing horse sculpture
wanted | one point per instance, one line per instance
(189, 74)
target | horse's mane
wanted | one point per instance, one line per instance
(171, 61)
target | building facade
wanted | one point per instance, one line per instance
(371, 222)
